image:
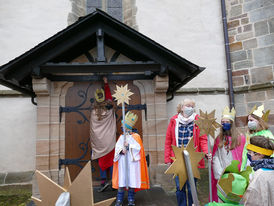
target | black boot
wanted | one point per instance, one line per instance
(103, 187)
(130, 197)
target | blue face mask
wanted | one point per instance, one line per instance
(249, 157)
(226, 126)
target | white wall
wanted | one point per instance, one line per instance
(18, 134)
(192, 29)
(203, 102)
(26, 23)
(23, 25)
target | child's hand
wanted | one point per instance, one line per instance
(124, 151)
(209, 156)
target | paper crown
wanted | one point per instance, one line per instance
(233, 183)
(130, 120)
(259, 112)
(227, 114)
(99, 95)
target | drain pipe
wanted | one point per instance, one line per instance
(228, 58)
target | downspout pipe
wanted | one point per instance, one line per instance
(228, 58)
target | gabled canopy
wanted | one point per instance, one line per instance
(54, 57)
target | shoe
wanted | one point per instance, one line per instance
(119, 198)
(103, 187)
(131, 203)
(130, 197)
(118, 203)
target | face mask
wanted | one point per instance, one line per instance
(252, 125)
(226, 126)
(188, 111)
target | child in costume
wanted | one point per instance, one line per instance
(232, 185)
(228, 146)
(180, 130)
(130, 167)
(260, 190)
(257, 126)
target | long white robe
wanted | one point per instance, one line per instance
(260, 191)
(131, 159)
(221, 160)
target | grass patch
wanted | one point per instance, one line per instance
(15, 195)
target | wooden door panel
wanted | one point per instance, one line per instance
(77, 129)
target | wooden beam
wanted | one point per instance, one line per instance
(100, 46)
(51, 68)
(78, 78)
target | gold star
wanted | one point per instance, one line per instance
(178, 167)
(81, 191)
(207, 123)
(122, 94)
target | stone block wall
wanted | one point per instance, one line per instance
(78, 8)
(123, 10)
(153, 94)
(112, 7)
(129, 13)
(50, 138)
(251, 39)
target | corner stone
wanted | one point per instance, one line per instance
(243, 64)
(261, 28)
(238, 56)
(19, 177)
(255, 96)
(249, 44)
(264, 56)
(271, 25)
(236, 10)
(261, 75)
(235, 46)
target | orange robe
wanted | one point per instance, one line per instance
(143, 168)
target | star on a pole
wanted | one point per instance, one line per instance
(207, 123)
(81, 191)
(122, 94)
(178, 167)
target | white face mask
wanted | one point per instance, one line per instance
(188, 111)
(252, 125)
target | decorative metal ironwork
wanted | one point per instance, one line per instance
(77, 161)
(79, 109)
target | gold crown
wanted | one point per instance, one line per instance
(130, 120)
(99, 95)
(259, 112)
(227, 114)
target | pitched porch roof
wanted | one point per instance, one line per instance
(52, 57)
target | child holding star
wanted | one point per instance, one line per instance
(130, 167)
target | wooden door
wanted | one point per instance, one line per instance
(78, 103)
